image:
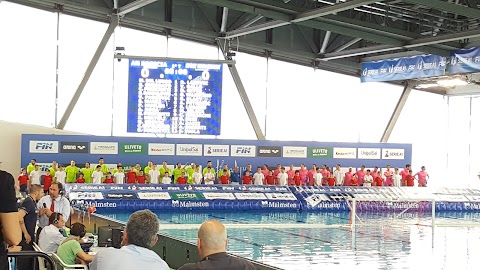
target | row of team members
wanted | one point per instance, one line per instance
(192, 175)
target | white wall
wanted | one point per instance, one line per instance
(11, 142)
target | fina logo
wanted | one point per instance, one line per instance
(365, 72)
(244, 150)
(44, 146)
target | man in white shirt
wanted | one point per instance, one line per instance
(119, 175)
(197, 176)
(60, 175)
(35, 176)
(338, 175)
(51, 238)
(97, 175)
(166, 179)
(258, 177)
(367, 179)
(153, 174)
(209, 177)
(51, 203)
(397, 178)
(139, 236)
(282, 177)
(318, 177)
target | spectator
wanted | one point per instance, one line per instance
(235, 176)
(28, 220)
(70, 250)
(23, 182)
(51, 238)
(55, 202)
(212, 248)
(139, 236)
(31, 166)
(10, 232)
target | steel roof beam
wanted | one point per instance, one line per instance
(417, 43)
(305, 16)
(133, 6)
(449, 7)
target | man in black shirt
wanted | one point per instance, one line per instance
(212, 247)
(10, 230)
(28, 220)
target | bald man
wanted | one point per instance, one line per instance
(212, 249)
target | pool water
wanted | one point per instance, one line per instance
(294, 240)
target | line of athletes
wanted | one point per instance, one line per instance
(191, 175)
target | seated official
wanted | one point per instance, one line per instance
(51, 238)
(70, 250)
(212, 247)
(138, 237)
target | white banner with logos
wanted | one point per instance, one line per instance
(161, 149)
(369, 153)
(393, 153)
(243, 150)
(104, 148)
(154, 195)
(250, 196)
(189, 150)
(85, 196)
(294, 152)
(218, 196)
(211, 150)
(281, 196)
(344, 153)
(45, 147)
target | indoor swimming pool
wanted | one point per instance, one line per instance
(295, 240)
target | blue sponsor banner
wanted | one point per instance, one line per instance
(464, 61)
(271, 198)
(404, 68)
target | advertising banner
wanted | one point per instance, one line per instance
(464, 61)
(404, 68)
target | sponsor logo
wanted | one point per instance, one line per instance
(471, 206)
(218, 196)
(294, 152)
(186, 196)
(369, 153)
(216, 150)
(279, 204)
(97, 204)
(44, 147)
(393, 153)
(346, 153)
(250, 196)
(85, 195)
(452, 198)
(269, 151)
(133, 148)
(187, 204)
(104, 148)
(243, 151)
(189, 150)
(74, 147)
(316, 199)
(121, 196)
(328, 205)
(160, 149)
(281, 196)
(322, 152)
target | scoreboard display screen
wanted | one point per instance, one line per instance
(174, 97)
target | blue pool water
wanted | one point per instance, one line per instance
(293, 240)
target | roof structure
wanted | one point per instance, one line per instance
(334, 35)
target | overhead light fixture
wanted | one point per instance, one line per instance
(426, 85)
(452, 82)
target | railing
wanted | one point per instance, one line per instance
(35, 254)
